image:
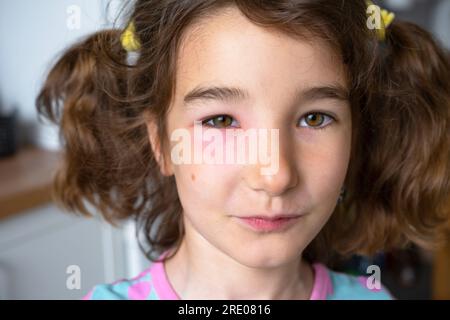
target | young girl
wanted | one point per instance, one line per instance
(359, 107)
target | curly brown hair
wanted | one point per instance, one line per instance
(398, 182)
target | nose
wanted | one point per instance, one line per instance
(279, 181)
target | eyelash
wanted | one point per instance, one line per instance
(204, 122)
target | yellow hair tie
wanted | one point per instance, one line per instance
(129, 39)
(386, 19)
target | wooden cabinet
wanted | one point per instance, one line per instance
(26, 179)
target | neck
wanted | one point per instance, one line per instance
(198, 270)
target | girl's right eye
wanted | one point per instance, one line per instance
(220, 122)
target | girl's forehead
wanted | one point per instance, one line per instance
(228, 48)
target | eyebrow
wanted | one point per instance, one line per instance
(234, 94)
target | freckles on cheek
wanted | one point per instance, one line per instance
(205, 180)
(212, 159)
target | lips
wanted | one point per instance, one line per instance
(264, 223)
(273, 217)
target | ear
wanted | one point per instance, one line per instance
(165, 165)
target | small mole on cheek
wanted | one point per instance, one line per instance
(193, 177)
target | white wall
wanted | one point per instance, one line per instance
(31, 34)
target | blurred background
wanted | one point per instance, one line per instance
(42, 247)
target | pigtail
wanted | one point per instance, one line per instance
(403, 181)
(83, 93)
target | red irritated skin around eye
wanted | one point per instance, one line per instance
(263, 223)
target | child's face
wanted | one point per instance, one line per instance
(230, 51)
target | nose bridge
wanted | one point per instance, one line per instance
(279, 173)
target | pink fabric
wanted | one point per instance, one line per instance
(322, 283)
(88, 296)
(139, 291)
(162, 285)
(321, 288)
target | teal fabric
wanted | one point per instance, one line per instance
(349, 287)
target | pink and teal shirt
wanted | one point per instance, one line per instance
(153, 284)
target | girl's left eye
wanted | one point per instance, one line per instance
(220, 121)
(315, 120)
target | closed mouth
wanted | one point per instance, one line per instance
(269, 224)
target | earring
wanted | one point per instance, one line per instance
(341, 195)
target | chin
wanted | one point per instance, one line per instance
(265, 257)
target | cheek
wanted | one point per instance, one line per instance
(324, 166)
(206, 186)
(203, 185)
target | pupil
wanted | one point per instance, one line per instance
(221, 121)
(313, 117)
